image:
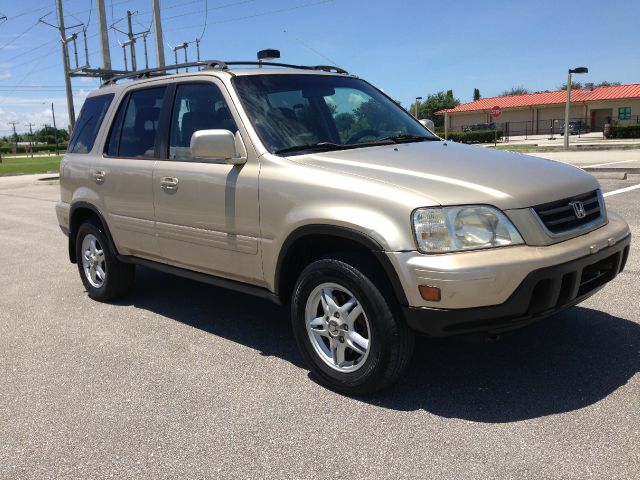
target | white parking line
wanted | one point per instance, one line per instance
(622, 190)
(609, 163)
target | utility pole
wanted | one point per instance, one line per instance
(65, 59)
(30, 137)
(105, 53)
(55, 129)
(15, 137)
(132, 41)
(157, 27)
(44, 127)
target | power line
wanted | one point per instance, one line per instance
(219, 7)
(19, 36)
(305, 44)
(263, 14)
(33, 67)
(204, 27)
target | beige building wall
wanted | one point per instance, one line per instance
(458, 120)
(539, 117)
(614, 105)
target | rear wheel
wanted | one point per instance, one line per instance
(104, 277)
(346, 330)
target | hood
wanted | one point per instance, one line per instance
(455, 174)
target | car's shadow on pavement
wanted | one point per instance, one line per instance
(567, 362)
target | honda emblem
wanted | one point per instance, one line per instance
(578, 209)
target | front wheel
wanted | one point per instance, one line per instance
(346, 330)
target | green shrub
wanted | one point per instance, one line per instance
(7, 149)
(477, 136)
(624, 131)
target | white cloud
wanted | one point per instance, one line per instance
(91, 80)
(37, 118)
(5, 75)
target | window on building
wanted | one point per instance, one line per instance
(89, 121)
(624, 113)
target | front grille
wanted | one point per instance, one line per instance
(560, 216)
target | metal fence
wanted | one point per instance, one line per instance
(551, 127)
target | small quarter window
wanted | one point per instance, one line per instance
(88, 124)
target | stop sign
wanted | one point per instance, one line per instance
(496, 111)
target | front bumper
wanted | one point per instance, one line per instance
(542, 293)
(497, 288)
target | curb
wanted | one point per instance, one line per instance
(632, 170)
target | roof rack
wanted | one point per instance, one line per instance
(324, 68)
(114, 76)
(156, 71)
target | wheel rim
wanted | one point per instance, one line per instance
(93, 261)
(338, 327)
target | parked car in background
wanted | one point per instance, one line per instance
(575, 127)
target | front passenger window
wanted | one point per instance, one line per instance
(198, 106)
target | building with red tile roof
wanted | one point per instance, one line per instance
(544, 112)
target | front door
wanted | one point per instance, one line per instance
(206, 213)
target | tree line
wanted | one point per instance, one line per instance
(47, 135)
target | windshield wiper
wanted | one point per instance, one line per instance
(315, 147)
(404, 137)
(328, 146)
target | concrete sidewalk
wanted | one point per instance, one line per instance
(593, 138)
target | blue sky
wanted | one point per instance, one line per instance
(408, 48)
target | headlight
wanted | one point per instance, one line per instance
(452, 229)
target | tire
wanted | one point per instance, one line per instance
(375, 342)
(104, 277)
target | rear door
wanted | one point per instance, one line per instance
(124, 175)
(206, 212)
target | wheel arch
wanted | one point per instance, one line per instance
(78, 214)
(311, 242)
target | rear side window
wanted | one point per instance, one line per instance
(88, 124)
(133, 133)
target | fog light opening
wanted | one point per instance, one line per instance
(430, 294)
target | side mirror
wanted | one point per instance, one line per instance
(428, 123)
(221, 145)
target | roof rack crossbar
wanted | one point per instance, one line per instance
(206, 65)
(325, 68)
(149, 72)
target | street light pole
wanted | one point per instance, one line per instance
(416, 109)
(567, 107)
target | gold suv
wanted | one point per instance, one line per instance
(310, 186)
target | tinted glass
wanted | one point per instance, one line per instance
(88, 124)
(113, 142)
(196, 107)
(140, 123)
(294, 110)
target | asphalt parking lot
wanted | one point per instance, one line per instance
(184, 380)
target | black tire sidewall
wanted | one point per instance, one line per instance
(381, 323)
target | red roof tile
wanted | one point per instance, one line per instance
(550, 98)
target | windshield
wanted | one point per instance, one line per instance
(299, 113)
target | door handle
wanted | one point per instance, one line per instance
(169, 183)
(99, 175)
